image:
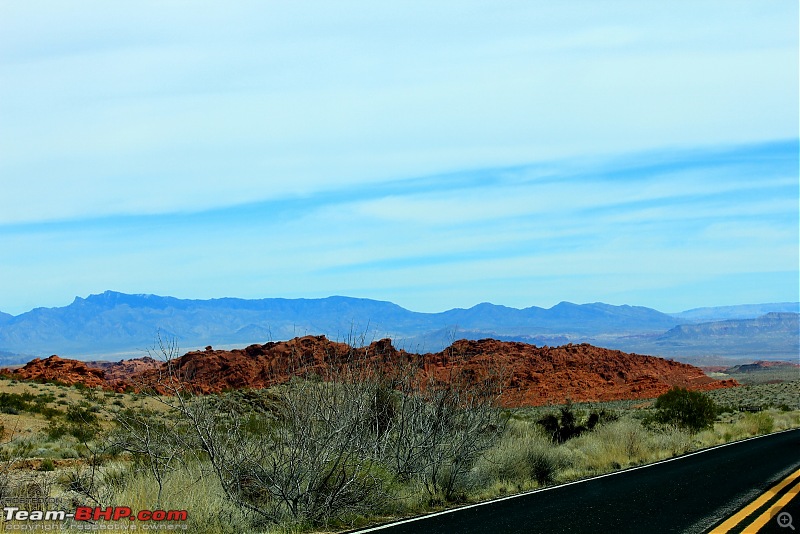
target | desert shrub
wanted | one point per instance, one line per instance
(79, 481)
(209, 509)
(50, 413)
(619, 444)
(757, 423)
(80, 414)
(672, 442)
(566, 426)
(56, 430)
(79, 422)
(39, 404)
(524, 457)
(68, 452)
(47, 465)
(765, 423)
(690, 410)
(13, 403)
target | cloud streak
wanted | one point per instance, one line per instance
(518, 152)
(111, 110)
(487, 231)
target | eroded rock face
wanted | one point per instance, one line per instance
(118, 375)
(256, 366)
(542, 375)
(529, 375)
(55, 369)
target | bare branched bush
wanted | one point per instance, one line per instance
(315, 461)
(326, 445)
(446, 426)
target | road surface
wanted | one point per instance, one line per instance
(692, 493)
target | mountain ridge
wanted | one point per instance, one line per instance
(741, 311)
(118, 323)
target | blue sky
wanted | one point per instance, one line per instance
(435, 155)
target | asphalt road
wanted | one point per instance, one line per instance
(689, 494)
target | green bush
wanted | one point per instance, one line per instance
(13, 403)
(762, 423)
(47, 465)
(56, 430)
(690, 410)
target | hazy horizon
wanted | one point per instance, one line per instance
(519, 153)
(220, 297)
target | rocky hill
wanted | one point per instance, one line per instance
(55, 369)
(760, 365)
(119, 374)
(529, 375)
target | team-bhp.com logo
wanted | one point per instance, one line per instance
(87, 518)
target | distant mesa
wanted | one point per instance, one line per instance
(530, 375)
(760, 365)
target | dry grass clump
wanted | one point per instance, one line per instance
(737, 426)
(525, 458)
(625, 443)
(208, 509)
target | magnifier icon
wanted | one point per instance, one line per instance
(785, 520)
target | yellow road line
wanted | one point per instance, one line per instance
(767, 516)
(755, 505)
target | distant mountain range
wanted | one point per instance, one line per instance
(112, 325)
(743, 311)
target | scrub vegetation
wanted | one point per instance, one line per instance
(327, 453)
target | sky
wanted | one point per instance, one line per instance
(433, 154)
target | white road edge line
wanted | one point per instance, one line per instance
(539, 490)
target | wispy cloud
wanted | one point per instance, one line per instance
(518, 234)
(110, 110)
(519, 152)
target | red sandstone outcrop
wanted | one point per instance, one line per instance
(542, 375)
(55, 369)
(118, 375)
(529, 375)
(256, 366)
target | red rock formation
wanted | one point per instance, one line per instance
(118, 375)
(582, 372)
(55, 369)
(529, 375)
(256, 366)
